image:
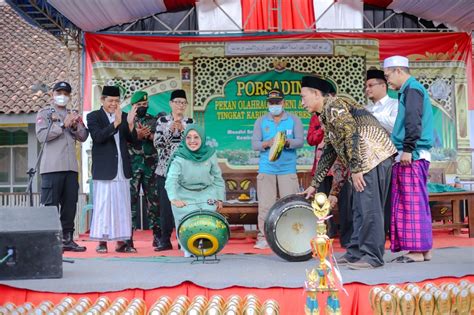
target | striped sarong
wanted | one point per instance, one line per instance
(411, 226)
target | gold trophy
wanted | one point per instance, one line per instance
(462, 302)
(470, 288)
(311, 287)
(321, 278)
(407, 304)
(372, 296)
(388, 304)
(377, 300)
(391, 288)
(426, 303)
(453, 291)
(443, 302)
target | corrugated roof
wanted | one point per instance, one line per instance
(31, 60)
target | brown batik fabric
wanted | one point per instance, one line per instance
(354, 136)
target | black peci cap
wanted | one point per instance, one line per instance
(109, 90)
(317, 83)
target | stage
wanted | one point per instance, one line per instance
(241, 270)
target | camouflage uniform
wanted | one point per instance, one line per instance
(144, 158)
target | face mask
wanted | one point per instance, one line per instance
(61, 100)
(275, 110)
(141, 111)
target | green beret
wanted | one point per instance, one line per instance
(139, 96)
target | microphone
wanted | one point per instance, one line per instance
(50, 113)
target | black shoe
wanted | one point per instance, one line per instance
(156, 237)
(344, 260)
(69, 245)
(101, 248)
(125, 247)
(72, 246)
(163, 246)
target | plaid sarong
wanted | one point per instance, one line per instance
(411, 227)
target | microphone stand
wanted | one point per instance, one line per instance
(32, 171)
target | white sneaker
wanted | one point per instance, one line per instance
(261, 244)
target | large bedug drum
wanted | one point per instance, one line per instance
(289, 228)
(203, 233)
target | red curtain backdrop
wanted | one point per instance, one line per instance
(296, 14)
(173, 5)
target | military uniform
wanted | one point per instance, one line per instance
(144, 159)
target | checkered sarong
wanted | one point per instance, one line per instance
(411, 215)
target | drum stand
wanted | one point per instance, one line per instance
(214, 260)
(205, 260)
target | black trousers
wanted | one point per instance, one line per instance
(346, 225)
(368, 238)
(166, 214)
(60, 189)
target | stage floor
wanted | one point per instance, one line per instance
(242, 270)
(250, 270)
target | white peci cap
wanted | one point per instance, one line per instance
(395, 61)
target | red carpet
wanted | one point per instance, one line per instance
(143, 240)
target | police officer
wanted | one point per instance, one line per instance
(59, 167)
(144, 159)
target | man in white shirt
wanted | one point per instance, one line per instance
(384, 108)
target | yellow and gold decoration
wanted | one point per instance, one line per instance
(430, 299)
(181, 305)
(84, 305)
(325, 277)
(277, 146)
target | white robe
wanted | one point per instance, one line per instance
(112, 216)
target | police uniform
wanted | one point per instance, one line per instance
(59, 167)
(144, 159)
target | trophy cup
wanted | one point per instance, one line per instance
(470, 288)
(428, 285)
(406, 304)
(443, 302)
(372, 296)
(378, 300)
(426, 303)
(391, 288)
(462, 302)
(311, 287)
(388, 304)
(321, 278)
(453, 291)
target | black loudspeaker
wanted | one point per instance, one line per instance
(33, 236)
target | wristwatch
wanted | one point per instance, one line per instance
(61, 124)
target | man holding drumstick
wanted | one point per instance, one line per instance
(280, 173)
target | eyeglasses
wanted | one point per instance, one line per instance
(182, 103)
(387, 74)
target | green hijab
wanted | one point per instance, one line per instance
(202, 154)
